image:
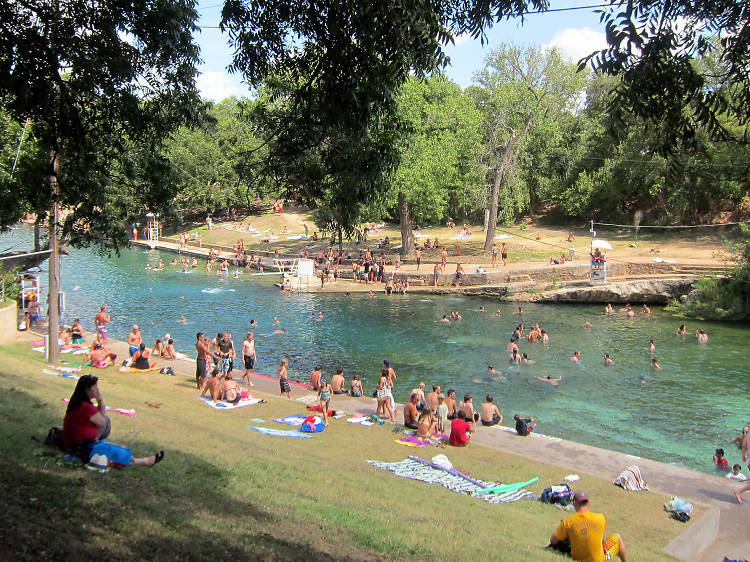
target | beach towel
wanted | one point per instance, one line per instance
(220, 405)
(134, 370)
(319, 408)
(296, 420)
(81, 352)
(280, 432)
(313, 424)
(65, 369)
(58, 374)
(417, 470)
(358, 419)
(416, 441)
(631, 480)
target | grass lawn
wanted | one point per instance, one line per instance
(528, 243)
(224, 491)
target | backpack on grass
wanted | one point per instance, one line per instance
(560, 494)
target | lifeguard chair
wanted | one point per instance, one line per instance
(152, 232)
(598, 265)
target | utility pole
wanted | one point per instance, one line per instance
(53, 298)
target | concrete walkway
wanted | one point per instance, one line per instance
(720, 531)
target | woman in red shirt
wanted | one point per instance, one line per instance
(85, 425)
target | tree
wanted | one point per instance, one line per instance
(440, 155)
(653, 46)
(520, 89)
(103, 84)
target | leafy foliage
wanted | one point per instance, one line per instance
(102, 84)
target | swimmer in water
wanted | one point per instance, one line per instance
(520, 311)
(253, 322)
(481, 309)
(545, 337)
(497, 312)
(371, 294)
(587, 324)
(655, 364)
(609, 309)
(320, 314)
(702, 336)
(491, 370)
(651, 346)
(525, 359)
(148, 267)
(682, 330)
(550, 380)
(576, 358)
(514, 358)
(445, 319)
(182, 319)
(173, 262)
(608, 360)
(645, 309)
(279, 331)
(275, 321)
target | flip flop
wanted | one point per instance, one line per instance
(158, 457)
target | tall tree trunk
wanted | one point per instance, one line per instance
(507, 161)
(37, 232)
(407, 237)
(341, 240)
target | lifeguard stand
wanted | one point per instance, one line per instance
(298, 272)
(598, 265)
(30, 288)
(153, 229)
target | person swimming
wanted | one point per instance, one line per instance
(651, 346)
(682, 330)
(655, 364)
(608, 360)
(576, 358)
(550, 380)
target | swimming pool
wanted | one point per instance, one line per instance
(695, 404)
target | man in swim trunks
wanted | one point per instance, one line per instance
(418, 256)
(249, 356)
(490, 413)
(585, 529)
(450, 401)
(467, 407)
(315, 376)
(459, 273)
(202, 361)
(436, 274)
(338, 382)
(225, 347)
(504, 254)
(432, 398)
(410, 412)
(134, 340)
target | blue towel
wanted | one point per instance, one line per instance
(280, 432)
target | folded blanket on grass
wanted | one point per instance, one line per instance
(220, 405)
(280, 432)
(134, 370)
(631, 480)
(130, 412)
(416, 441)
(416, 470)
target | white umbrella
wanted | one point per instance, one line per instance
(603, 244)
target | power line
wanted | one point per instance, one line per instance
(531, 12)
(671, 226)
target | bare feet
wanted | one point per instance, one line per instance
(739, 496)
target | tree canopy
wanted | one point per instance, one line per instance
(102, 85)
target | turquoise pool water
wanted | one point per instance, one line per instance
(695, 404)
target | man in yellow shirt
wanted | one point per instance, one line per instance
(585, 529)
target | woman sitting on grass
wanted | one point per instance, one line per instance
(140, 358)
(85, 425)
(426, 424)
(231, 389)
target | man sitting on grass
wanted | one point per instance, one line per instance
(585, 530)
(461, 430)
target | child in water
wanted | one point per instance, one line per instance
(720, 462)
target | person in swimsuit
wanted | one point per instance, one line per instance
(284, 379)
(356, 387)
(158, 348)
(655, 364)
(249, 356)
(494, 255)
(682, 330)
(76, 332)
(504, 254)
(324, 397)
(450, 402)
(168, 350)
(550, 380)
(140, 358)
(426, 424)
(231, 389)
(98, 357)
(203, 360)
(491, 415)
(134, 340)
(384, 396)
(101, 320)
(608, 360)
(418, 256)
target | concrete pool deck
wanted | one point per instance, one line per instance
(721, 530)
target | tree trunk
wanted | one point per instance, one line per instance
(37, 232)
(407, 238)
(341, 241)
(486, 218)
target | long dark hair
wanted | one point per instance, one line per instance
(79, 394)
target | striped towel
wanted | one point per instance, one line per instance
(631, 480)
(417, 471)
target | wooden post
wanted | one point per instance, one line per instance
(53, 316)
